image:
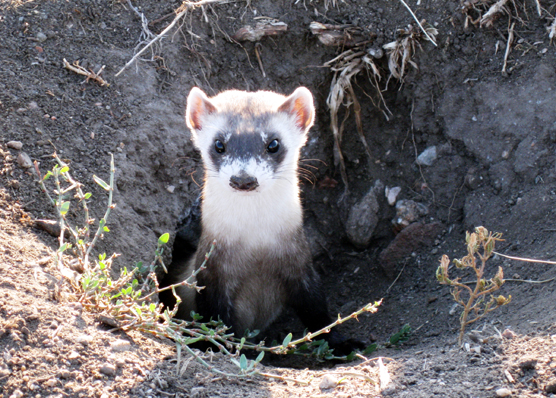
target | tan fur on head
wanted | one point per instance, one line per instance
(300, 105)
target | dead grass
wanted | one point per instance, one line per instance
(353, 62)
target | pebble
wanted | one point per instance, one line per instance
(503, 392)
(74, 355)
(427, 157)
(328, 381)
(15, 145)
(41, 37)
(551, 388)
(16, 394)
(509, 334)
(24, 160)
(51, 382)
(120, 346)
(408, 211)
(363, 217)
(107, 369)
(392, 194)
(171, 188)
(84, 339)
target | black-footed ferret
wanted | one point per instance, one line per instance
(250, 144)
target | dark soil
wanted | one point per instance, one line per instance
(495, 139)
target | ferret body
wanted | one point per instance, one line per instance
(261, 263)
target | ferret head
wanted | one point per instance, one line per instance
(249, 141)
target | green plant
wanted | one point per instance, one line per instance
(129, 301)
(480, 245)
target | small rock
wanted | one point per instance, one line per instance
(551, 387)
(427, 157)
(392, 194)
(16, 394)
(84, 339)
(198, 392)
(15, 145)
(64, 374)
(24, 160)
(509, 334)
(476, 349)
(363, 217)
(51, 383)
(413, 238)
(503, 392)
(108, 369)
(171, 188)
(328, 381)
(408, 211)
(74, 355)
(120, 346)
(528, 363)
(41, 37)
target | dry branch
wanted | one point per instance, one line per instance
(89, 73)
(431, 39)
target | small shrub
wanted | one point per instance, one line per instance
(480, 245)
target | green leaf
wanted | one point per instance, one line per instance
(87, 195)
(152, 307)
(287, 340)
(47, 176)
(370, 349)
(64, 247)
(260, 357)
(241, 343)
(100, 182)
(243, 362)
(106, 229)
(64, 207)
(64, 169)
(351, 357)
(163, 239)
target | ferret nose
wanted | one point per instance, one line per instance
(244, 182)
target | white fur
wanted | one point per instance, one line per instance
(273, 209)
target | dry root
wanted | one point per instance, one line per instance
(340, 35)
(263, 28)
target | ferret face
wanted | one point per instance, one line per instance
(249, 141)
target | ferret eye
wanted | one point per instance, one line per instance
(219, 146)
(273, 146)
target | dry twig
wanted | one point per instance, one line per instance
(89, 73)
(508, 48)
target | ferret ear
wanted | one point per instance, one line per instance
(198, 107)
(300, 106)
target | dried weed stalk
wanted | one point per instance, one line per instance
(401, 51)
(129, 301)
(480, 245)
(348, 65)
(345, 67)
(552, 30)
